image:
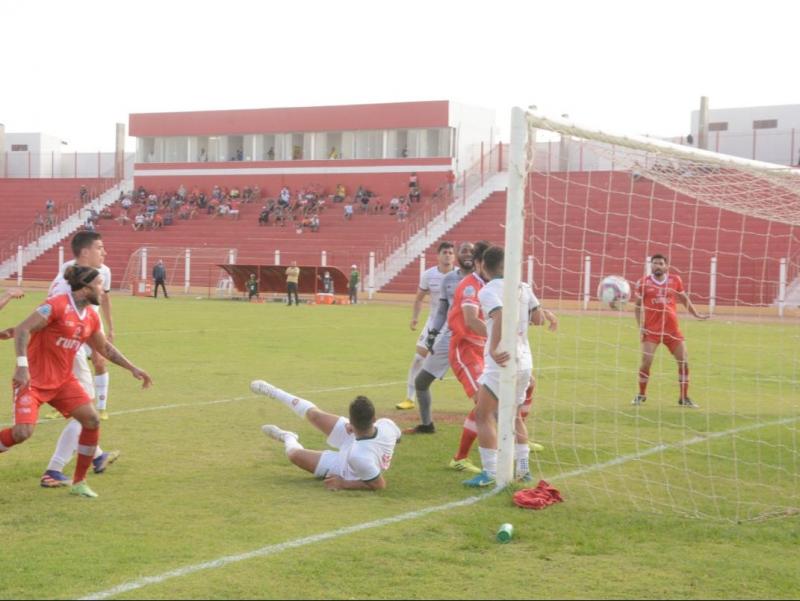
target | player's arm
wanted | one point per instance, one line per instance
(9, 295)
(101, 344)
(105, 308)
(336, 483)
(540, 316)
(472, 319)
(495, 338)
(686, 302)
(22, 335)
(421, 294)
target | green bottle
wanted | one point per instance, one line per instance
(505, 533)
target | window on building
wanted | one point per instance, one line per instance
(19, 148)
(718, 126)
(765, 124)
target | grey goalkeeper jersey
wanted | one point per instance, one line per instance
(447, 292)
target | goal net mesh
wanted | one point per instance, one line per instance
(599, 205)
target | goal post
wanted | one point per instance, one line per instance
(586, 204)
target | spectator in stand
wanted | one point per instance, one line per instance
(451, 182)
(412, 181)
(148, 220)
(355, 279)
(39, 223)
(182, 192)
(126, 203)
(377, 205)
(138, 222)
(234, 209)
(84, 194)
(271, 154)
(402, 210)
(333, 154)
(404, 153)
(158, 221)
(348, 211)
(49, 208)
(394, 205)
(159, 277)
(263, 217)
(239, 154)
(340, 194)
(213, 205)
(123, 218)
(252, 287)
(169, 218)
(202, 157)
(285, 198)
(224, 209)
(292, 279)
(202, 201)
(315, 223)
(89, 226)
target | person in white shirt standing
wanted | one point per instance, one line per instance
(365, 446)
(430, 283)
(88, 249)
(530, 311)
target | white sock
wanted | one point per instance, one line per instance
(67, 446)
(522, 453)
(489, 460)
(416, 365)
(101, 390)
(291, 443)
(296, 404)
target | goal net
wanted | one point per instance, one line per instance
(595, 204)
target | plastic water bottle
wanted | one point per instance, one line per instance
(505, 533)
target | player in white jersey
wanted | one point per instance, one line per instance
(365, 446)
(88, 249)
(530, 311)
(429, 284)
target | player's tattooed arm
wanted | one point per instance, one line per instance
(101, 344)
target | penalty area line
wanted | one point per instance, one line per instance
(412, 515)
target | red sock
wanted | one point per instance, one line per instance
(644, 378)
(468, 436)
(6, 440)
(87, 444)
(683, 379)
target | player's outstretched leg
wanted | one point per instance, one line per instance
(299, 456)
(298, 405)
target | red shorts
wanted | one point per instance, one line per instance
(466, 361)
(670, 340)
(525, 408)
(65, 399)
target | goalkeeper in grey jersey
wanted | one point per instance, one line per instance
(438, 342)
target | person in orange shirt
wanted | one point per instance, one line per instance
(657, 296)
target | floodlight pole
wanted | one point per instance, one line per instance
(515, 222)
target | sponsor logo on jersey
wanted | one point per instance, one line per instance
(469, 291)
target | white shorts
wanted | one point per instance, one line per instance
(437, 363)
(491, 379)
(82, 371)
(332, 462)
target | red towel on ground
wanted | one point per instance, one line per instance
(540, 497)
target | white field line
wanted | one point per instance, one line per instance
(404, 517)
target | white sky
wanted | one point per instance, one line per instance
(74, 69)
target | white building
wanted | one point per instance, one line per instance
(764, 133)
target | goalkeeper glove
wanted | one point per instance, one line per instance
(430, 339)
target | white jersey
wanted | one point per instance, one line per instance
(367, 458)
(60, 286)
(491, 298)
(431, 282)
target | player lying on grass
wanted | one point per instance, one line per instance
(495, 358)
(46, 344)
(364, 446)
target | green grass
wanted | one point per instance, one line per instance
(199, 481)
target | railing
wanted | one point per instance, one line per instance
(43, 165)
(468, 181)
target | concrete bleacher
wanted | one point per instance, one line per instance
(618, 222)
(22, 199)
(345, 241)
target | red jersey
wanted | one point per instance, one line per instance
(52, 350)
(466, 294)
(659, 304)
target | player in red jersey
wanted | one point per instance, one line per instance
(46, 344)
(658, 295)
(467, 339)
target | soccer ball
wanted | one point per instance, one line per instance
(614, 291)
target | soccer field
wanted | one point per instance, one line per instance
(201, 504)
